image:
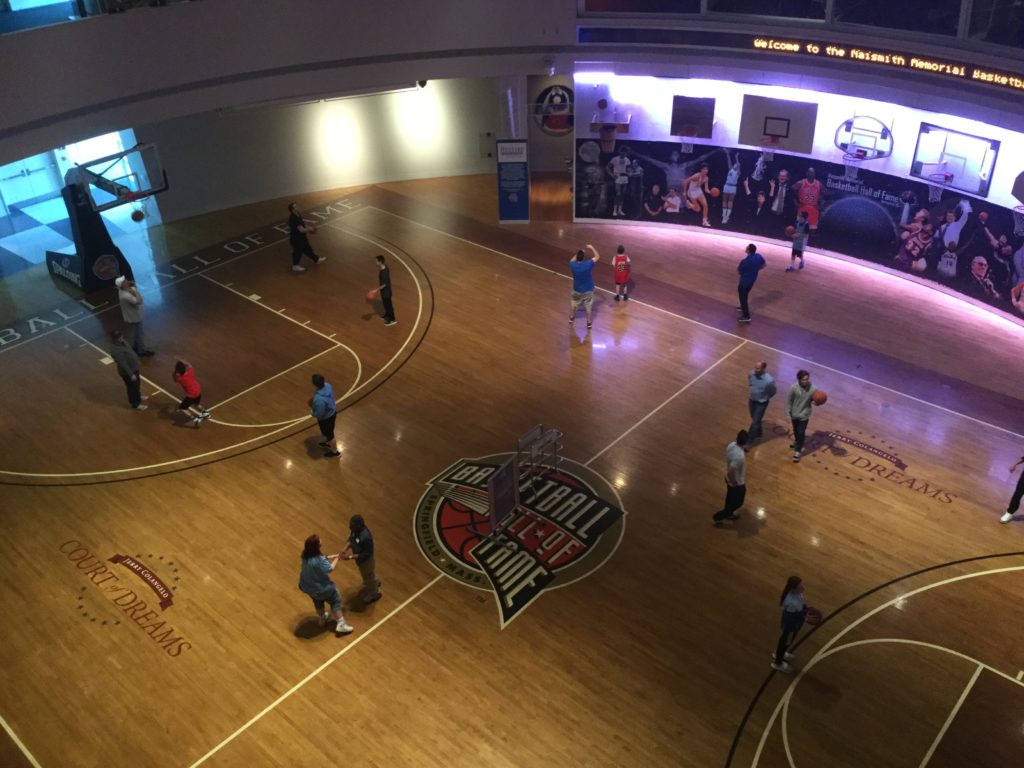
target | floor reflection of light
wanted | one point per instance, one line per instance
(761, 513)
(398, 437)
(673, 489)
(815, 541)
(620, 482)
(287, 463)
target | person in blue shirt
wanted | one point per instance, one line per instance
(801, 230)
(583, 284)
(315, 581)
(751, 264)
(322, 409)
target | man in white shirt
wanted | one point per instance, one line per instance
(130, 299)
(735, 480)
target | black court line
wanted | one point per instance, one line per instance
(274, 441)
(836, 612)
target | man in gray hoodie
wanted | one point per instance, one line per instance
(325, 412)
(798, 409)
(128, 368)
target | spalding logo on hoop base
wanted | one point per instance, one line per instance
(569, 522)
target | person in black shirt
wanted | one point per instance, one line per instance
(360, 548)
(298, 229)
(384, 290)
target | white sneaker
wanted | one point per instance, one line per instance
(787, 657)
(341, 628)
(298, 268)
(783, 667)
(705, 223)
(143, 397)
(196, 421)
(141, 407)
(321, 259)
(205, 415)
(322, 619)
(1007, 517)
(796, 455)
(391, 322)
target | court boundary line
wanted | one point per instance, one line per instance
(177, 280)
(845, 606)
(19, 743)
(287, 694)
(952, 715)
(669, 312)
(783, 703)
(118, 475)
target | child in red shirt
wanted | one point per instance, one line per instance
(620, 263)
(185, 375)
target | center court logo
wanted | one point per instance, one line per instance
(569, 521)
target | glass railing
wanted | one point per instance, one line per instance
(997, 22)
(18, 15)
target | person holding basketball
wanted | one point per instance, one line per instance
(798, 410)
(794, 613)
(384, 289)
(693, 192)
(298, 230)
(620, 263)
(583, 284)
(1018, 494)
(315, 581)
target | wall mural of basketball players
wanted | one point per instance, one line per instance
(958, 241)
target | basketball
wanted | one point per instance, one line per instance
(813, 616)
(371, 295)
(138, 215)
(715, 191)
(983, 217)
(790, 231)
(819, 397)
(311, 229)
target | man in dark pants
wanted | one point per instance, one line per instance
(298, 230)
(798, 410)
(735, 479)
(1018, 494)
(762, 389)
(360, 547)
(128, 367)
(384, 289)
(748, 268)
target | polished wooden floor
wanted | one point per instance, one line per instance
(658, 657)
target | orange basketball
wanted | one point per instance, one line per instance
(371, 295)
(311, 229)
(715, 191)
(820, 397)
(813, 616)
(790, 231)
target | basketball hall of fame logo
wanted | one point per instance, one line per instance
(568, 522)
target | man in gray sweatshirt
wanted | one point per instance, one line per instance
(128, 368)
(798, 409)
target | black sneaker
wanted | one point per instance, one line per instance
(617, 297)
(625, 297)
(745, 319)
(332, 454)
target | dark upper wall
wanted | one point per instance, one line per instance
(72, 81)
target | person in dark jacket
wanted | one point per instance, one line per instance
(360, 549)
(128, 368)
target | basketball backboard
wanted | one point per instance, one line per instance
(120, 178)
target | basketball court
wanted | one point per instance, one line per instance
(152, 614)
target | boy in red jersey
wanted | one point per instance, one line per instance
(185, 375)
(620, 263)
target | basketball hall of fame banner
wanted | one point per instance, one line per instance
(949, 237)
(513, 181)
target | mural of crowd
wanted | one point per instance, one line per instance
(962, 242)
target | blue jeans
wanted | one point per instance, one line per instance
(331, 596)
(756, 414)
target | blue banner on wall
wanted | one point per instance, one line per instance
(513, 181)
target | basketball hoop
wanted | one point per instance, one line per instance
(1018, 220)
(936, 183)
(851, 164)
